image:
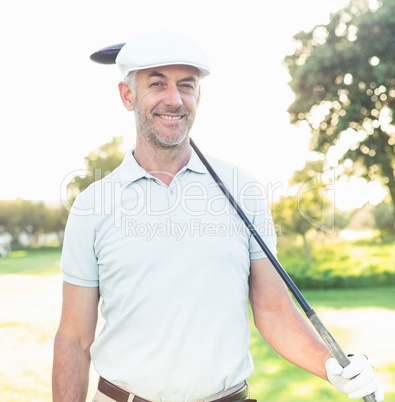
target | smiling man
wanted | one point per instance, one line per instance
(158, 242)
(164, 99)
(165, 103)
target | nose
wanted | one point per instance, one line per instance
(172, 96)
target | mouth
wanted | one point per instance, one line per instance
(170, 116)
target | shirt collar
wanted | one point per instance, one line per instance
(131, 171)
(195, 164)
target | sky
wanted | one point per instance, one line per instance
(57, 105)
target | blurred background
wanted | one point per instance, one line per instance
(301, 94)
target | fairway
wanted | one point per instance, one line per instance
(31, 262)
(361, 320)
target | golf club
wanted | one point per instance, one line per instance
(108, 55)
(326, 336)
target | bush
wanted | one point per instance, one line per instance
(340, 265)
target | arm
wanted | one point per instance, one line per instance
(280, 322)
(70, 376)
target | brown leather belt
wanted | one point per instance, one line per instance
(119, 395)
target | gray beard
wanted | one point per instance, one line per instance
(146, 126)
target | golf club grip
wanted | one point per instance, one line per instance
(332, 345)
(326, 336)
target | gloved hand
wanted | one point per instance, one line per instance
(356, 380)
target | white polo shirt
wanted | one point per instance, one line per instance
(172, 265)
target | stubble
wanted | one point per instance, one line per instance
(170, 137)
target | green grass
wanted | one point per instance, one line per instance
(31, 262)
(276, 380)
(383, 297)
(339, 264)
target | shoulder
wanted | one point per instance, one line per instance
(96, 192)
(232, 174)
(249, 193)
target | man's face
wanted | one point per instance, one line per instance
(165, 103)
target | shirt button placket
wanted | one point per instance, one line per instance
(172, 194)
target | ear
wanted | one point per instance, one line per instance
(198, 98)
(126, 95)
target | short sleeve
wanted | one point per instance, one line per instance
(78, 261)
(256, 207)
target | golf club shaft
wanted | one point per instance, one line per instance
(326, 336)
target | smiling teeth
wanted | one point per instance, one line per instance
(170, 117)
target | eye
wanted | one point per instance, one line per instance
(157, 84)
(187, 87)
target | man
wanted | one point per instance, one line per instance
(159, 243)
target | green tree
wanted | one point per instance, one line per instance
(34, 218)
(384, 217)
(343, 77)
(99, 163)
(54, 220)
(310, 207)
(288, 218)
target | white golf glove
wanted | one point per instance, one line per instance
(356, 380)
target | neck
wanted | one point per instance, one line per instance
(162, 162)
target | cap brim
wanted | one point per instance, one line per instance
(107, 55)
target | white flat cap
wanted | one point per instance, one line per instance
(161, 49)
